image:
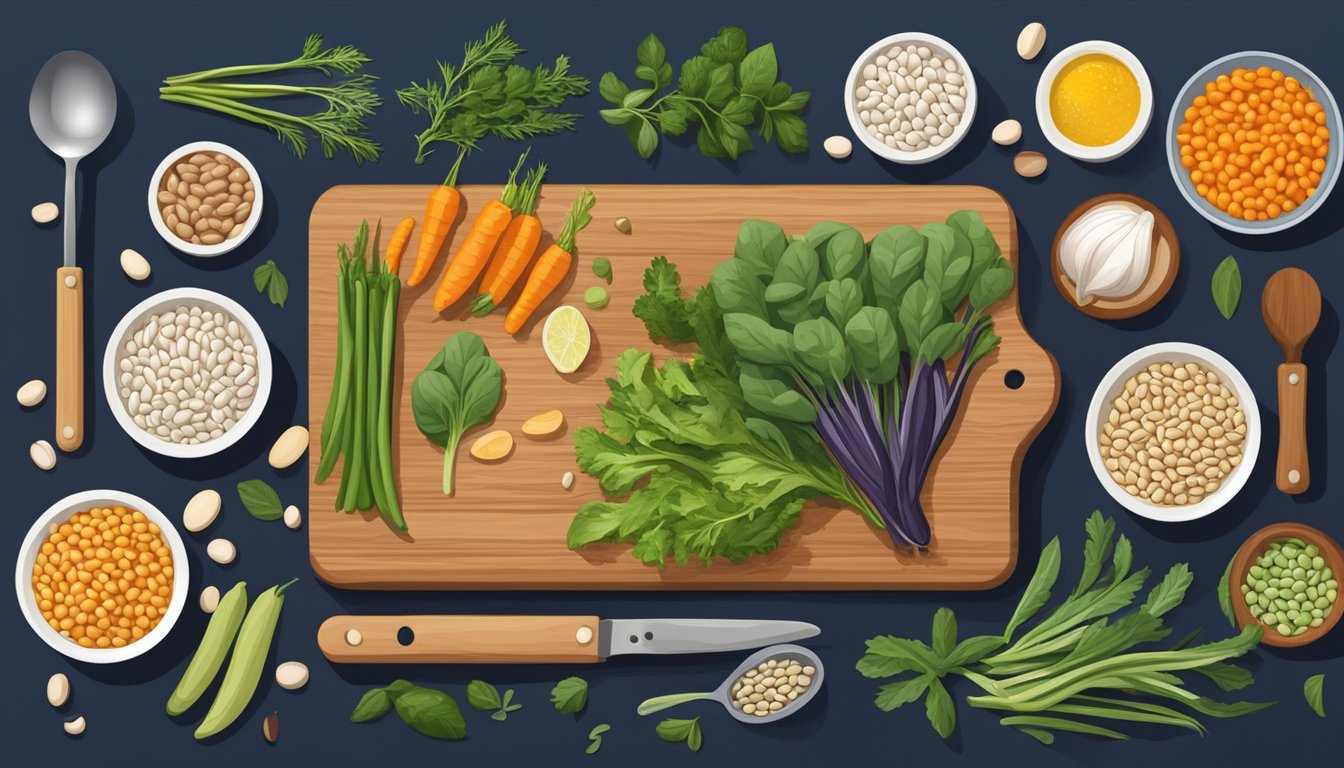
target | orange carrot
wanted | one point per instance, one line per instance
(440, 212)
(396, 246)
(515, 248)
(552, 265)
(466, 265)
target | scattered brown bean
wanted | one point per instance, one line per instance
(270, 727)
(206, 198)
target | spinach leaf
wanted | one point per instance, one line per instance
(458, 390)
(372, 705)
(570, 695)
(260, 499)
(482, 695)
(1314, 691)
(1227, 287)
(431, 713)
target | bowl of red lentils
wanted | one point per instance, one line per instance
(102, 576)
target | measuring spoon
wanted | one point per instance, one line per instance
(723, 694)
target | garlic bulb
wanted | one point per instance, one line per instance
(1108, 251)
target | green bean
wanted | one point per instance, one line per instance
(374, 391)
(249, 656)
(214, 646)
(333, 431)
(360, 496)
(392, 512)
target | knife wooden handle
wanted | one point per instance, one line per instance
(460, 639)
(69, 357)
(1292, 473)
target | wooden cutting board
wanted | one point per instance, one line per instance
(505, 527)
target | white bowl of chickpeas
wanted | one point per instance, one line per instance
(1173, 432)
(102, 576)
(205, 198)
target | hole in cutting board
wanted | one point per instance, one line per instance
(1014, 379)
(405, 636)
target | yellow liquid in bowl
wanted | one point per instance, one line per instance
(1094, 100)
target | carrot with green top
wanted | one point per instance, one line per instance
(552, 265)
(396, 246)
(515, 248)
(466, 265)
(440, 211)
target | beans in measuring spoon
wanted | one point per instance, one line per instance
(1290, 589)
(771, 686)
(206, 198)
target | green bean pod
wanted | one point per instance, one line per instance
(249, 656)
(219, 635)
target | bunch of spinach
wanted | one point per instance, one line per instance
(695, 469)
(1079, 663)
(726, 89)
(857, 339)
(458, 390)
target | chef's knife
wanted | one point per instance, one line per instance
(538, 639)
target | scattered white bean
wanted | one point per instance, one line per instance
(1031, 40)
(837, 147)
(210, 599)
(221, 551)
(567, 480)
(45, 212)
(1006, 133)
(43, 455)
(32, 393)
(291, 675)
(201, 510)
(58, 689)
(293, 517)
(76, 726)
(289, 446)
(134, 265)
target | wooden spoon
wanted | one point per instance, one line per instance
(1291, 305)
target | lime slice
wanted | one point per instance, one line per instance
(566, 339)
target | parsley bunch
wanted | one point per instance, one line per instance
(726, 89)
(488, 95)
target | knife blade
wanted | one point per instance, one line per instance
(448, 639)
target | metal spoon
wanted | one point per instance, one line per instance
(723, 694)
(1291, 305)
(73, 107)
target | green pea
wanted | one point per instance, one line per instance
(1304, 560)
(1275, 546)
(1255, 611)
(1330, 583)
(1250, 598)
(1280, 604)
(1303, 620)
(1299, 587)
(1294, 605)
(1289, 551)
(1296, 542)
(1317, 613)
(1312, 551)
(1284, 629)
(1331, 594)
(1293, 614)
(1286, 582)
(1281, 561)
(1321, 602)
(1299, 630)
(1299, 573)
(1312, 593)
(1245, 588)
(1326, 573)
(1256, 572)
(1316, 622)
(1318, 562)
(1263, 601)
(1314, 579)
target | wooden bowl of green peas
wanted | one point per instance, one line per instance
(1286, 578)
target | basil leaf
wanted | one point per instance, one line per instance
(729, 46)
(695, 738)
(570, 695)
(758, 71)
(675, 730)
(941, 711)
(270, 279)
(262, 275)
(720, 86)
(431, 713)
(1227, 287)
(260, 500)
(612, 88)
(1224, 593)
(616, 116)
(647, 141)
(944, 632)
(372, 705)
(1314, 690)
(790, 132)
(895, 695)
(482, 695)
(651, 52)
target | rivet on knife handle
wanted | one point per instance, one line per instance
(460, 639)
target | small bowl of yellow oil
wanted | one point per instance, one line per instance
(1094, 101)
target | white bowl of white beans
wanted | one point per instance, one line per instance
(187, 373)
(1173, 432)
(205, 198)
(910, 98)
(127, 577)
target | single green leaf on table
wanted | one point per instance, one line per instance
(431, 713)
(270, 280)
(371, 706)
(260, 499)
(1227, 287)
(1225, 593)
(570, 695)
(675, 730)
(1314, 690)
(482, 695)
(595, 738)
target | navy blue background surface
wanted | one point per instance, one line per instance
(816, 42)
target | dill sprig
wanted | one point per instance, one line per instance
(488, 95)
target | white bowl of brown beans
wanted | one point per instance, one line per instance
(131, 568)
(1173, 432)
(205, 198)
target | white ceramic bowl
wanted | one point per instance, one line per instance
(1112, 384)
(1195, 86)
(186, 246)
(162, 302)
(1082, 151)
(32, 543)
(855, 79)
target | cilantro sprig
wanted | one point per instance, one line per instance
(724, 90)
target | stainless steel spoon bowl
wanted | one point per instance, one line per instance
(723, 694)
(73, 107)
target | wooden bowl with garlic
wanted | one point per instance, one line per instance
(1115, 256)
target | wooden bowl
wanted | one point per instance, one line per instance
(1161, 274)
(1254, 547)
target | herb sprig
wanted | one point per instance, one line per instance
(485, 697)
(725, 90)
(487, 94)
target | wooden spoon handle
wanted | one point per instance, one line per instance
(69, 357)
(460, 639)
(1292, 474)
